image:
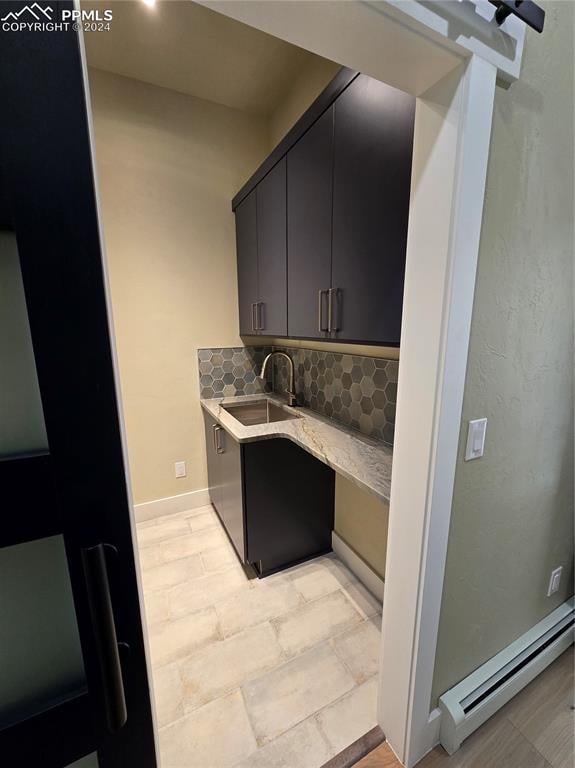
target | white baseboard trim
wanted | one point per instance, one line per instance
(358, 566)
(171, 504)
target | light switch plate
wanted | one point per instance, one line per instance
(475, 439)
(554, 580)
(180, 468)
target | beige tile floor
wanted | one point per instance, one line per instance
(273, 673)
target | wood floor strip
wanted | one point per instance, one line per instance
(382, 757)
(356, 751)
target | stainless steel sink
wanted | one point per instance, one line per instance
(259, 412)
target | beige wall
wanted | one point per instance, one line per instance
(512, 516)
(361, 520)
(168, 167)
(304, 91)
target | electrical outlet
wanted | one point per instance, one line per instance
(554, 580)
(180, 468)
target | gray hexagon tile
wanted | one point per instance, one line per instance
(231, 371)
(357, 391)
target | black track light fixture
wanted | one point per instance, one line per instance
(525, 10)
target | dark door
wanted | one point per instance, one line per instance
(373, 141)
(309, 227)
(229, 455)
(247, 260)
(272, 262)
(72, 665)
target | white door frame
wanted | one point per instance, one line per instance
(447, 202)
(448, 54)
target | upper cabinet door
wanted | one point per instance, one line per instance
(247, 256)
(373, 140)
(272, 257)
(309, 190)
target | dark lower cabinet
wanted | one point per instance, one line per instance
(274, 499)
(225, 482)
(289, 504)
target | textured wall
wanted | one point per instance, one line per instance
(168, 167)
(512, 515)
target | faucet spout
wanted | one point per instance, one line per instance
(290, 392)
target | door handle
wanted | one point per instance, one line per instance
(219, 446)
(214, 441)
(102, 616)
(254, 317)
(260, 315)
(320, 294)
(331, 325)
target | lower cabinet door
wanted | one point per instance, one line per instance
(214, 464)
(232, 506)
(289, 503)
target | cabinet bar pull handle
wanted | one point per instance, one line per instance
(219, 446)
(320, 294)
(102, 615)
(214, 427)
(260, 315)
(254, 320)
(332, 326)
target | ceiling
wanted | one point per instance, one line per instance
(180, 45)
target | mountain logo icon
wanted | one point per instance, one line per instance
(35, 10)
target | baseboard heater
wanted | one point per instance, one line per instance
(472, 701)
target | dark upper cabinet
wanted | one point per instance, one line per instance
(272, 255)
(373, 142)
(309, 225)
(247, 259)
(262, 257)
(326, 258)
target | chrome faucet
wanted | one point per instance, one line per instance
(292, 400)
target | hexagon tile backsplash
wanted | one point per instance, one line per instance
(357, 391)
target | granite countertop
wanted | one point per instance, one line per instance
(361, 459)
